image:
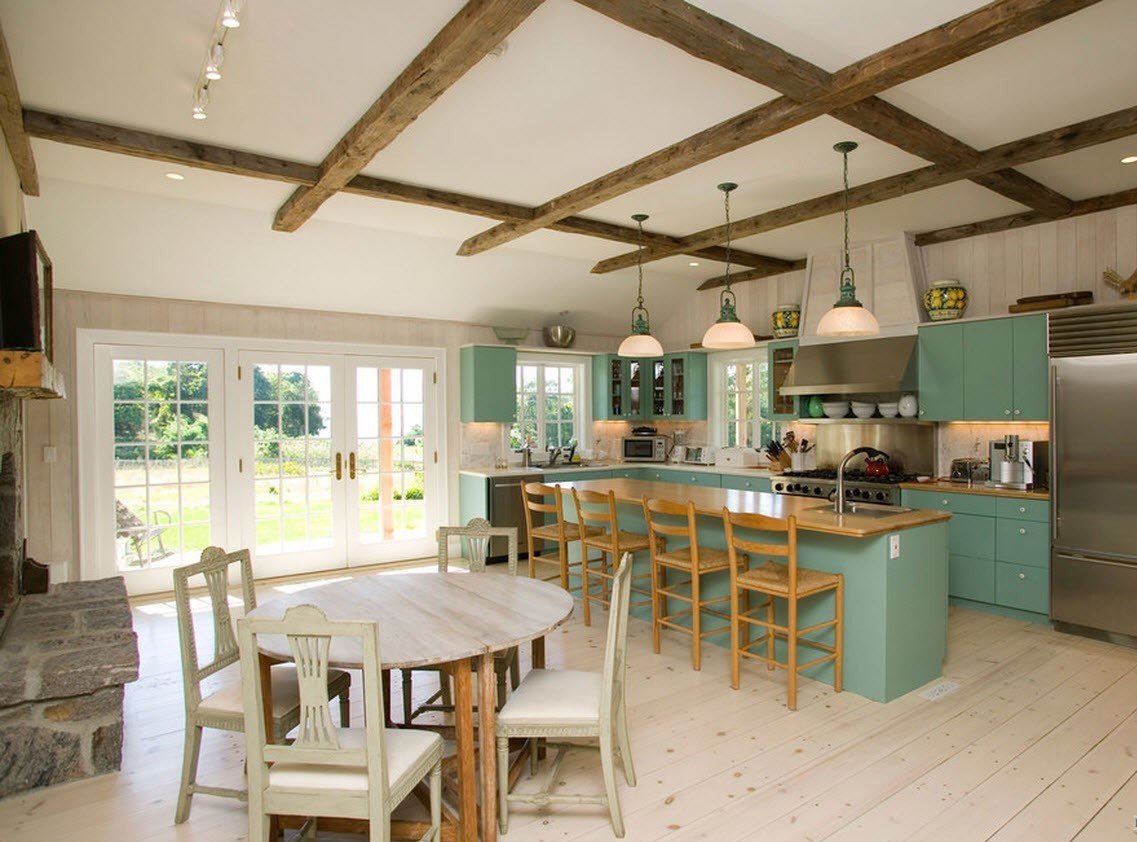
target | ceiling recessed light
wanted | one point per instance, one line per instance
(1129, 159)
(693, 263)
(175, 176)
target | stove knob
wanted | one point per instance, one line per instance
(817, 490)
(857, 492)
(880, 496)
(848, 493)
(778, 486)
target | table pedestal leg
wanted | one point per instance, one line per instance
(464, 737)
(487, 690)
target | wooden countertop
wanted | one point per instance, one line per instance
(979, 488)
(812, 515)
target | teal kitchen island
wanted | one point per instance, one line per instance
(895, 564)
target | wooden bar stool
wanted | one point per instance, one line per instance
(785, 581)
(560, 532)
(667, 519)
(596, 514)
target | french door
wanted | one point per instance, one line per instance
(339, 459)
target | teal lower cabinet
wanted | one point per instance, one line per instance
(628, 473)
(745, 483)
(555, 476)
(694, 478)
(998, 548)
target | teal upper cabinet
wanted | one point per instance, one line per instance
(940, 352)
(670, 387)
(991, 370)
(780, 356)
(1032, 368)
(489, 383)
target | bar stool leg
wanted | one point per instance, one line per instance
(791, 654)
(838, 636)
(584, 585)
(734, 623)
(658, 580)
(771, 642)
(696, 622)
(562, 548)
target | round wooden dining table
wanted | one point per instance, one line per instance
(451, 620)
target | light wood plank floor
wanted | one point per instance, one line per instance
(1039, 741)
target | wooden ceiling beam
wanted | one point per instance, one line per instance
(998, 159)
(178, 151)
(749, 275)
(12, 124)
(1021, 220)
(992, 24)
(465, 40)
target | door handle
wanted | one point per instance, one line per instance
(351, 465)
(339, 466)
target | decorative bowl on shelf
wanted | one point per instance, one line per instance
(864, 410)
(835, 409)
(814, 408)
(908, 406)
(946, 300)
(511, 335)
(786, 320)
(559, 336)
(888, 409)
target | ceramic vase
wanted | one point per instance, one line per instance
(785, 320)
(945, 300)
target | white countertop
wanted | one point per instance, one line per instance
(488, 472)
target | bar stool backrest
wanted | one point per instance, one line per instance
(596, 508)
(751, 523)
(672, 520)
(534, 495)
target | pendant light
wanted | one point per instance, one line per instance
(728, 332)
(640, 343)
(848, 316)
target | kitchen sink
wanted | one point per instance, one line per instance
(874, 510)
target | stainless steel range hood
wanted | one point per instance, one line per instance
(846, 368)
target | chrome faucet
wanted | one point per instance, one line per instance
(839, 503)
(554, 452)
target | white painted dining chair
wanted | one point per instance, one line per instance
(477, 534)
(354, 773)
(574, 704)
(222, 707)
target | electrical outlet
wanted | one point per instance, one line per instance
(49, 455)
(894, 546)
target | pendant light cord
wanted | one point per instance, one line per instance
(845, 156)
(640, 263)
(726, 204)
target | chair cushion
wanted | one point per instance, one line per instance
(285, 691)
(629, 541)
(572, 531)
(772, 577)
(709, 558)
(554, 695)
(406, 748)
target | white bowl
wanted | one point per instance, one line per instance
(864, 410)
(835, 409)
(889, 410)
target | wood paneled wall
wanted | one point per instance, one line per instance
(52, 489)
(996, 268)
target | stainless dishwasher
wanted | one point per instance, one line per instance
(507, 509)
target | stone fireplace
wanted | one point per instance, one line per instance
(65, 656)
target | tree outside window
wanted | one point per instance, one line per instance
(547, 401)
(746, 404)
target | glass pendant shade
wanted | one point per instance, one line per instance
(640, 345)
(848, 321)
(728, 336)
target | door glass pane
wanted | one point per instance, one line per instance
(292, 424)
(161, 461)
(389, 452)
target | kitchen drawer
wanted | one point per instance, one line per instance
(964, 504)
(1023, 542)
(1023, 587)
(630, 473)
(657, 475)
(693, 478)
(972, 535)
(745, 483)
(555, 476)
(1015, 507)
(971, 578)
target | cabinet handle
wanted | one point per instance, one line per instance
(1022, 531)
(1018, 412)
(945, 502)
(1022, 509)
(1006, 412)
(1022, 575)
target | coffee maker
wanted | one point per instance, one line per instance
(1019, 464)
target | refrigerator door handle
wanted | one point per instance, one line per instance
(1055, 458)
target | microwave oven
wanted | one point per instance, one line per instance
(646, 448)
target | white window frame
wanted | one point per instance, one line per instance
(581, 399)
(87, 391)
(716, 415)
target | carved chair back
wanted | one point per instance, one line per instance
(477, 533)
(616, 646)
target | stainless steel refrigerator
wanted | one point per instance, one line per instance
(1093, 579)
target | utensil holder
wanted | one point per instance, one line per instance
(803, 461)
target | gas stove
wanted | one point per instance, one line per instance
(858, 485)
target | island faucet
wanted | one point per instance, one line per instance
(839, 503)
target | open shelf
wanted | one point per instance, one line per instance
(29, 374)
(911, 422)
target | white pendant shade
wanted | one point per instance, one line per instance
(847, 321)
(726, 336)
(640, 345)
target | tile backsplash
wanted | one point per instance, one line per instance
(483, 443)
(960, 439)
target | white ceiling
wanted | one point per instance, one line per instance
(574, 96)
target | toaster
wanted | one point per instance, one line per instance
(970, 470)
